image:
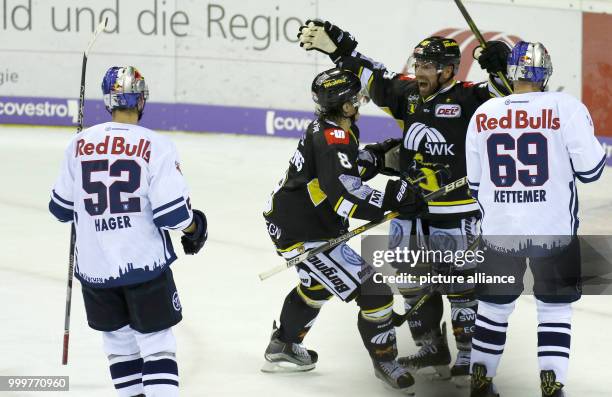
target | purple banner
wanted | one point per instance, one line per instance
(196, 118)
(184, 117)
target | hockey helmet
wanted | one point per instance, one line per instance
(529, 62)
(437, 50)
(334, 87)
(124, 87)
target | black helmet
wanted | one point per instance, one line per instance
(334, 87)
(438, 49)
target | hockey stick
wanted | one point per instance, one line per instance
(399, 319)
(96, 32)
(357, 231)
(481, 39)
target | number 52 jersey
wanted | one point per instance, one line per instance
(523, 154)
(122, 186)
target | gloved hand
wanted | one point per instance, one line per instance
(387, 156)
(494, 57)
(402, 197)
(327, 38)
(430, 176)
(193, 242)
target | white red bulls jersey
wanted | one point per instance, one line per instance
(524, 153)
(123, 187)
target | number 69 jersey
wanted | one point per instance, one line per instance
(123, 187)
(523, 154)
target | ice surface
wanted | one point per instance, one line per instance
(228, 312)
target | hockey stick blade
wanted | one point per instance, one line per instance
(481, 40)
(363, 228)
(101, 26)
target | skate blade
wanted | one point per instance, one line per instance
(409, 391)
(435, 373)
(285, 367)
(461, 381)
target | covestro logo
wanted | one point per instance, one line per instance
(276, 123)
(70, 108)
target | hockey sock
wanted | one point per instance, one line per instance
(463, 318)
(301, 307)
(490, 337)
(126, 372)
(375, 324)
(554, 337)
(427, 318)
(160, 375)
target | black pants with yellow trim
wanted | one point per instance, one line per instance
(304, 302)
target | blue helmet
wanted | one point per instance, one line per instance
(529, 62)
(124, 88)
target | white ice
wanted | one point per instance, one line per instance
(228, 312)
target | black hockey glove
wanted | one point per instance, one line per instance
(193, 242)
(369, 164)
(387, 156)
(402, 197)
(327, 38)
(494, 57)
(430, 176)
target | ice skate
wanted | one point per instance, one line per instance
(394, 375)
(287, 357)
(460, 371)
(434, 353)
(549, 385)
(481, 385)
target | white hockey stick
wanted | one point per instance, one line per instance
(96, 32)
(363, 228)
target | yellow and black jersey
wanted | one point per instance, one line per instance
(321, 189)
(434, 128)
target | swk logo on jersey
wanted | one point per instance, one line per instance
(435, 143)
(449, 111)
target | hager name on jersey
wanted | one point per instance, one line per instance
(113, 223)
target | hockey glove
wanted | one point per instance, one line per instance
(494, 57)
(387, 156)
(431, 176)
(193, 242)
(402, 197)
(327, 38)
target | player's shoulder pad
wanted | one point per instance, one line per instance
(336, 136)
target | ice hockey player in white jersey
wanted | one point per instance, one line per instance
(524, 153)
(122, 186)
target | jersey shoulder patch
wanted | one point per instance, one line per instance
(468, 84)
(406, 77)
(335, 136)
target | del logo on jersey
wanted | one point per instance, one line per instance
(450, 111)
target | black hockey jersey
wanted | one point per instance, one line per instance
(434, 128)
(321, 189)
